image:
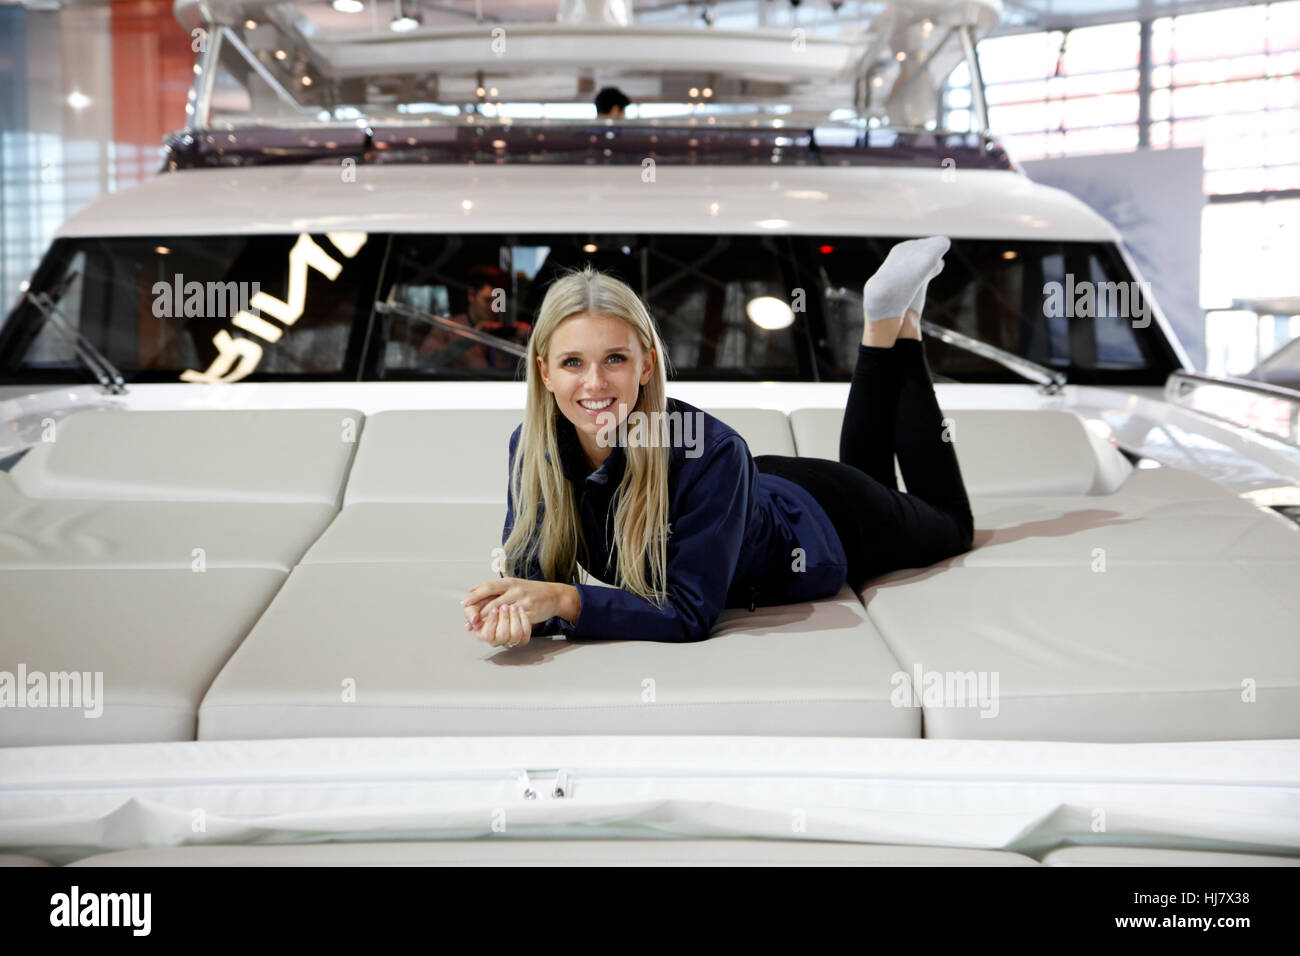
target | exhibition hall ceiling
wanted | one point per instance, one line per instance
(1019, 15)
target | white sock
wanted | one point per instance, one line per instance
(918, 303)
(905, 271)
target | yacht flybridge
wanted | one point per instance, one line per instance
(252, 456)
(294, 63)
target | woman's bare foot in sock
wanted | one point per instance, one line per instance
(888, 294)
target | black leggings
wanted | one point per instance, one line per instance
(891, 409)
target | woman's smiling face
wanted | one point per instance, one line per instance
(595, 367)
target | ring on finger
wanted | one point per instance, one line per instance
(515, 615)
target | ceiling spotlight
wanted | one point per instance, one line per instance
(768, 312)
(349, 6)
(405, 21)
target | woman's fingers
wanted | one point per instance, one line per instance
(480, 600)
(506, 626)
(474, 614)
(504, 623)
(488, 589)
(522, 630)
(487, 628)
(494, 606)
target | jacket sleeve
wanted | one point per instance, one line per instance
(552, 625)
(704, 549)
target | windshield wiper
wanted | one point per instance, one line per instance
(104, 370)
(1049, 380)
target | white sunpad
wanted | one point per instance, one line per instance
(412, 531)
(1139, 652)
(156, 637)
(52, 533)
(284, 455)
(423, 456)
(394, 632)
(1001, 452)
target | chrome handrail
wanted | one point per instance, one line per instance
(1181, 384)
(483, 338)
(1049, 380)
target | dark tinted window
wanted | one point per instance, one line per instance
(223, 307)
(781, 308)
(700, 290)
(1065, 305)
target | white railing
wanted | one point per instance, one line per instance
(1268, 410)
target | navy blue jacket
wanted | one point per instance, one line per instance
(732, 537)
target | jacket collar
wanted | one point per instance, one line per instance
(574, 462)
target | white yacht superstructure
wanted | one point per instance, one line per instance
(229, 570)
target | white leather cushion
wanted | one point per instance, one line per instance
(516, 852)
(195, 455)
(1167, 484)
(1148, 856)
(1000, 451)
(72, 533)
(1139, 652)
(766, 431)
(437, 456)
(434, 456)
(1084, 531)
(387, 531)
(395, 633)
(157, 637)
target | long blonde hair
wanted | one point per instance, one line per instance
(641, 512)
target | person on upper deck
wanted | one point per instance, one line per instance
(686, 527)
(612, 103)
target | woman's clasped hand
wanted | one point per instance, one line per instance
(502, 611)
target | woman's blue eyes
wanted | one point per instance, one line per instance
(571, 359)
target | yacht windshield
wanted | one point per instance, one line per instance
(354, 307)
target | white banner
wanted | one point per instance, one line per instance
(1155, 199)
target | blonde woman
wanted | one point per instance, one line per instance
(683, 529)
